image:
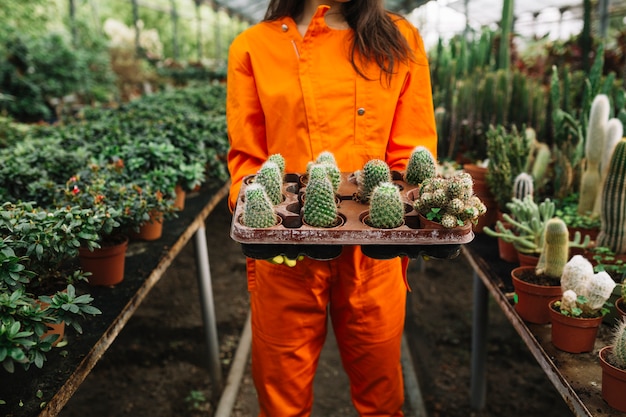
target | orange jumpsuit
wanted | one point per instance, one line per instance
(299, 96)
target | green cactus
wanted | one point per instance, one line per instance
(614, 133)
(613, 216)
(386, 206)
(279, 160)
(450, 201)
(320, 209)
(326, 157)
(421, 165)
(258, 210)
(375, 171)
(619, 345)
(523, 185)
(594, 144)
(270, 178)
(555, 251)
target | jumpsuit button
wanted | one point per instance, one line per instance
(361, 111)
(284, 27)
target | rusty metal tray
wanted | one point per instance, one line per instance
(292, 237)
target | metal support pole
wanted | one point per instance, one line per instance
(208, 309)
(479, 344)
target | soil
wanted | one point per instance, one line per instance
(158, 365)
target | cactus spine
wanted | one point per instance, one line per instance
(421, 165)
(279, 160)
(270, 178)
(386, 206)
(555, 249)
(258, 210)
(597, 291)
(590, 291)
(575, 274)
(619, 345)
(375, 171)
(596, 133)
(523, 185)
(613, 216)
(319, 208)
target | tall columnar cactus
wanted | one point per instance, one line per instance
(319, 208)
(619, 345)
(279, 160)
(613, 216)
(523, 185)
(595, 142)
(258, 210)
(386, 206)
(421, 165)
(374, 172)
(614, 133)
(555, 251)
(270, 178)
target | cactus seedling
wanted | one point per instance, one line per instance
(319, 208)
(258, 211)
(386, 206)
(421, 165)
(279, 160)
(375, 172)
(270, 178)
(327, 159)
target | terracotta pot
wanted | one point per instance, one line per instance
(620, 307)
(573, 334)
(179, 202)
(428, 224)
(106, 264)
(532, 299)
(507, 250)
(58, 328)
(526, 259)
(152, 229)
(613, 382)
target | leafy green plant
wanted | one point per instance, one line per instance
(567, 209)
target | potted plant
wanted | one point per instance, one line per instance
(578, 314)
(448, 202)
(585, 223)
(613, 364)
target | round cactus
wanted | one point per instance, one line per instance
(258, 210)
(386, 206)
(319, 208)
(619, 345)
(568, 301)
(575, 274)
(421, 165)
(555, 252)
(326, 157)
(269, 176)
(597, 291)
(375, 171)
(523, 185)
(279, 160)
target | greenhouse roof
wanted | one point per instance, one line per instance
(482, 11)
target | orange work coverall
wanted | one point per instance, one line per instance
(299, 96)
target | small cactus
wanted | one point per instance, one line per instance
(555, 251)
(619, 345)
(279, 160)
(375, 171)
(598, 291)
(591, 291)
(269, 176)
(327, 159)
(421, 165)
(319, 208)
(258, 210)
(523, 185)
(386, 206)
(576, 273)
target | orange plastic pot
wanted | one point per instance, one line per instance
(613, 382)
(532, 299)
(573, 334)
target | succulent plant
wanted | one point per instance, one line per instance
(613, 215)
(279, 160)
(374, 172)
(320, 209)
(523, 185)
(555, 251)
(619, 345)
(270, 178)
(386, 206)
(327, 159)
(258, 210)
(450, 201)
(589, 291)
(421, 165)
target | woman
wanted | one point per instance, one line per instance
(349, 78)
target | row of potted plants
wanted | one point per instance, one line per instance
(74, 188)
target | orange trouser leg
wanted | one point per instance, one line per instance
(368, 314)
(289, 328)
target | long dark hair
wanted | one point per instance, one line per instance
(376, 37)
